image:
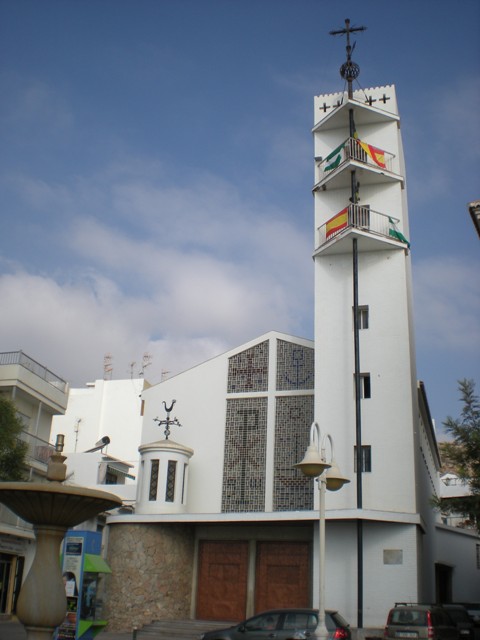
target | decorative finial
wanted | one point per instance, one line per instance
(57, 469)
(349, 69)
(168, 422)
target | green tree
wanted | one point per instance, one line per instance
(462, 453)
(12, 449)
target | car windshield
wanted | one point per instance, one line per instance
(409, 617)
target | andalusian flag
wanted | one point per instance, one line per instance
(337, 223)
(377, 155)
(333, 160)
(393, 232)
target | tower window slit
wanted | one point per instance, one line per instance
(362, 316)
(152, 494)
(183, 482)
(366, 458)
(365, 386)
(171, 473)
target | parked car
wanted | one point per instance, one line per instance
(283, 624)
(420, 622)
(473, 610)
(459, 614)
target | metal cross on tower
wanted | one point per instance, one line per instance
(349, 69)
(168, 422)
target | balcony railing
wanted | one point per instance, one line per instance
(359, 217)
(20, 358)
(38, 450)
(355, 149)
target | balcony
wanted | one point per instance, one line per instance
(373, 228)
(20, 372)
(38, 452)
(20, 358)
(359, 155)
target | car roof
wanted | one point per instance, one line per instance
(422, 607)
(294, 610)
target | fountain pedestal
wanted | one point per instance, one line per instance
(42, 602)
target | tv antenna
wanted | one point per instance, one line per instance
(146, 362)
(107, 366)
(76, 429)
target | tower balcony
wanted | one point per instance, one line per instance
(372, 165)
(375, 231)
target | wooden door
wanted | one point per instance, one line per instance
(282, 575)
(222, 580)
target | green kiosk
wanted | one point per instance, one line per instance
(83, 568)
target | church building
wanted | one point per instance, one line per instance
(225, 525)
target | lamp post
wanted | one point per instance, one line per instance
(315, 465)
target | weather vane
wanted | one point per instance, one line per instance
(349, 69)
(168, 422)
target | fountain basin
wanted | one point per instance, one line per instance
(43, 504)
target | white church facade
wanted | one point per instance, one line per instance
(234, 528)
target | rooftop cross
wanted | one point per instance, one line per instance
(349, 70)
(168, 422)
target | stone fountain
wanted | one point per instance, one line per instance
(51, 508)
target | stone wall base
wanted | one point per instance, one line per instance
(152, 574)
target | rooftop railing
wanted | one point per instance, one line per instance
(20, 358)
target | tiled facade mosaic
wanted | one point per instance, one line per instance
(248, 370)
(245, 453)
(295, 366)
(291, 490)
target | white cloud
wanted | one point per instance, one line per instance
(181, 273)
(70, 328)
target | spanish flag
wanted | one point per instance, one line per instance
(337, 223)
(377, 155)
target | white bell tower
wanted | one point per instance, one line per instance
(365, 373)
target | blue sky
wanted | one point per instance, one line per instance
(157, 165)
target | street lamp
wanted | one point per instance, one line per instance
(315, 465)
